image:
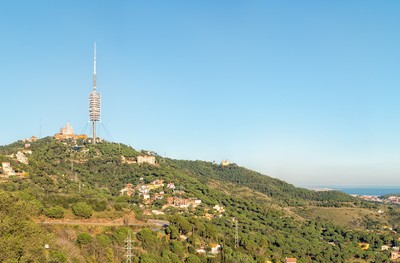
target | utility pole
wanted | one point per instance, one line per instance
(128, 248)
(236, 233)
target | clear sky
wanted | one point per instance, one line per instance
(304, 91)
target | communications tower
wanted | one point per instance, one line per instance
(94, 102)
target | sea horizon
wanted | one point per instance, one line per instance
(361, 190)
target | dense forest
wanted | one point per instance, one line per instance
(263, 219)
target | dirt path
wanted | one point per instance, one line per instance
(128, 220)
(81, 222)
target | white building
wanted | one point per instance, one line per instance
(215, 248)
(146, 159)
(7, 169)
(21, 158)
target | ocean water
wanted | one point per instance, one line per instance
(368, 190)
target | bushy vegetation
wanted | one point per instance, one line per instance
(21, 240)
(272, 214)
(54, 212)
(82, 210)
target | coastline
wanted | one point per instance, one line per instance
(360, 190)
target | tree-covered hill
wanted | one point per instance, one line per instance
(75, 188)
(272, 187)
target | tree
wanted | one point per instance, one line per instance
(177, 248)
(57, 256)
(149, 240)
(84, 239)
(82, 210)
(172, 231)
(193, 259)
(21, 239)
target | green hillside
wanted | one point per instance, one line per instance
(69, 197)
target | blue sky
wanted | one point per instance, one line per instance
(305, 91)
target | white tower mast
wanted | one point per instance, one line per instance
(94, 102)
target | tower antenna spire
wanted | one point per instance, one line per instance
(94, 68)
(94, 101)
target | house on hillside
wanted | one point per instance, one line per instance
(394, 255)
(156, 184)
(32, 139)
(290, 260)
(215, 249)
(219, 208)
(181, 202)
(128, 190)
(363, 246)
(146, 159)
(127, 160)
(385, 247)
(21, 157)
(201, 251)
(7, 169)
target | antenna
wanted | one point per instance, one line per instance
(94, 68)
(94, 101)
(40, 128)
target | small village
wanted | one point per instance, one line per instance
(392, 199)
(166, 195)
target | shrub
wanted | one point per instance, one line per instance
(57, 257)
(84, 239)
(82, 210)
(54, 212)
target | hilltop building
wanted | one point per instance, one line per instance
(225, 163)
(32, 139)
(67, 132)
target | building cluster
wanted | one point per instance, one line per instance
(213, 250)
(31, 139)
(373, 198)
(141, 159)
(156, 190)
(394, 253)
(393, 199)
(6, 168)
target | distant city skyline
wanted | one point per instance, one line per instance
(307, 92)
